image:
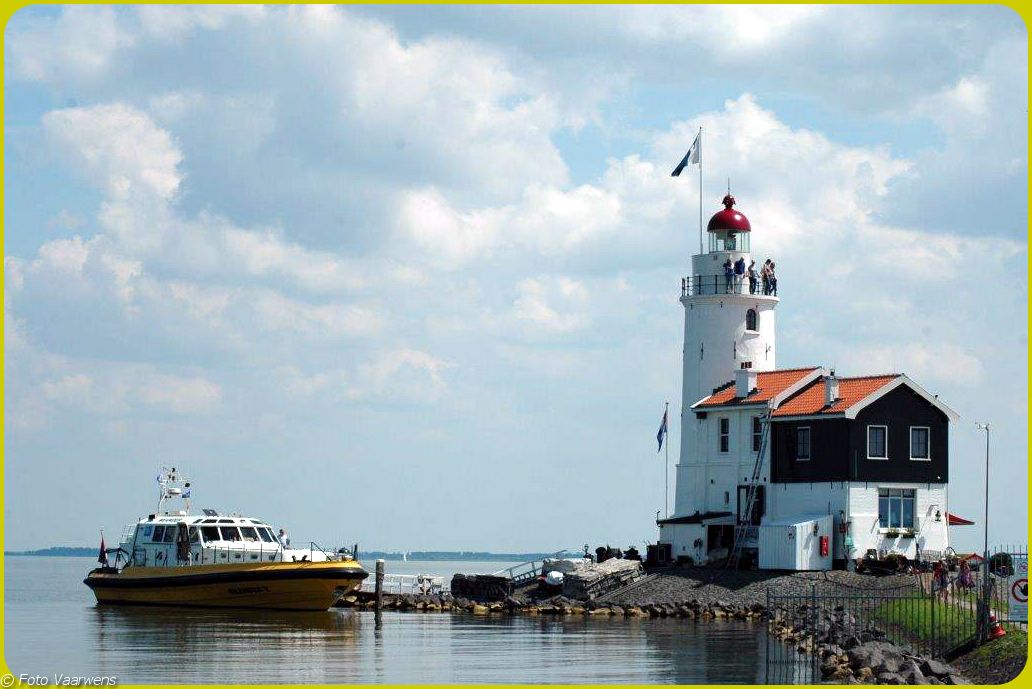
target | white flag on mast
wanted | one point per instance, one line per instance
(693, 156)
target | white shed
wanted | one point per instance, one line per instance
(795, 543)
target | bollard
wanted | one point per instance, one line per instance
(379, 585)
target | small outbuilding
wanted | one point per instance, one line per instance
(796, 543)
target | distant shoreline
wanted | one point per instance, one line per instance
(421, 556)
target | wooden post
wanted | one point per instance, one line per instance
(379, 585)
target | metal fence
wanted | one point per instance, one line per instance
(939, 613)
(414, 584)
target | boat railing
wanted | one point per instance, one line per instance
(230, 552)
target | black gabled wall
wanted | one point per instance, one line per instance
(839, 446)
(899, 410)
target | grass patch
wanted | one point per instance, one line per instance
(926, 622)
(997, 661)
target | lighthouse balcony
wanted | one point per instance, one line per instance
(716, 285)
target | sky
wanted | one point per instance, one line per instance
(409, 276)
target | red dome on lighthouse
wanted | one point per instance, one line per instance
(728, 219)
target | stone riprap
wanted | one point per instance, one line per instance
(849, 654)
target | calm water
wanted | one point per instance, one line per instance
(52, 625)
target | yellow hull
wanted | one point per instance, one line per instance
(271, 585)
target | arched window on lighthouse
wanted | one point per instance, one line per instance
(750, 320)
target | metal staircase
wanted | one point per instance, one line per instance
(743, 523)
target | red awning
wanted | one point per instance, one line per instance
(954, 520)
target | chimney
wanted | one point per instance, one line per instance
(830, 389)
(745, 382)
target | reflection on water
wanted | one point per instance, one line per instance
(53, 625)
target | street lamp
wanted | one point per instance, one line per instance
(985, 543)
(983, 603)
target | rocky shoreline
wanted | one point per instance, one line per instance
(848, 656)
(844, 655)
(558, 605)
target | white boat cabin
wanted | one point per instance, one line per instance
(174, 540)
(177, 538)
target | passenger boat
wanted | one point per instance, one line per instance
(174, 557)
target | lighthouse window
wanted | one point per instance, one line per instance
(725, 434)
(877, 443)
(750, 319)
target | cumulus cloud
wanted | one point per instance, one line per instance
(431, 224)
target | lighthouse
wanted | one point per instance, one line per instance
(793, 468)
(729, 326)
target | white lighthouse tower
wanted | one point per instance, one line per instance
(728, 335)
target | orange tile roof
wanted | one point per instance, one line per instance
(768, 385)
(810, 400)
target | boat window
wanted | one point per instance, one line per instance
(210, 533)
(266, 533)
(229, 533)
(195, 536)
(147, 531)
(170, 534)
(226, 521)
(159, 534)
(248, 533)
(209, 521)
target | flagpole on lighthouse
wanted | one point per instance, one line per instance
(700, 191)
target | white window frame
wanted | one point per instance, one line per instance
(756, 433)
(867, 439)
(928, 444)
(721, 434)
(914, 517)
(809, 443)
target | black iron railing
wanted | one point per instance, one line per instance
(693, 285)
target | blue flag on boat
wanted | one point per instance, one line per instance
(694, 155)
(662, 432)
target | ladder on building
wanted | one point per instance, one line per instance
(744, 523)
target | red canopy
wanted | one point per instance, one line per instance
(954, 520)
